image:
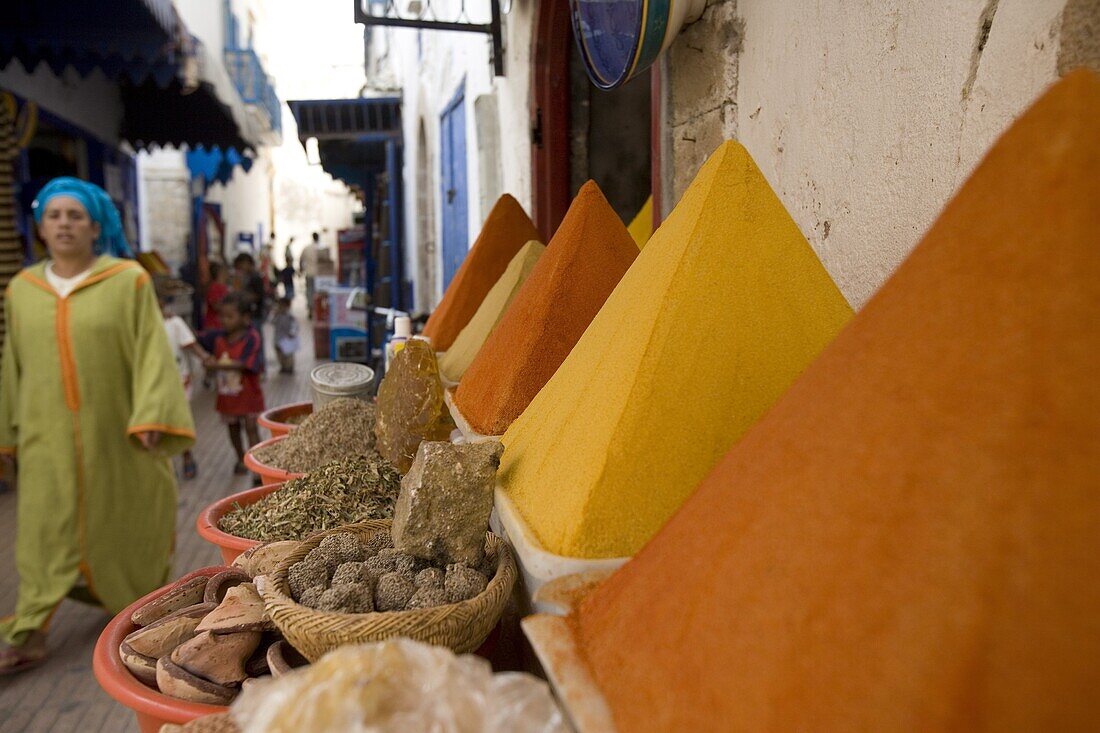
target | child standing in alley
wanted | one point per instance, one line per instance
(237, 358)
(182, 341)
(286, 335)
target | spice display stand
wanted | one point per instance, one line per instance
(230, 545)
(152, 708)
(448, 384)
(538, 566)
(275, 419)
(469, 435)
(565, 668)
(268, 474)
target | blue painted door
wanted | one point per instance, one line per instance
(453, 183)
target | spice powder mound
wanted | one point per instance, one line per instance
(457, 360)
(722, 310)
(583, 263)
(352, 490)
(339, 429)
(506, 230)
(908, 539)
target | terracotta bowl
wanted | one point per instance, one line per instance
(275, 419)
(152, 708)
(207, 522)
(268, 474)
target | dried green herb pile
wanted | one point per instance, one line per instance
(298, 418)
(352, 490)
(339, 429)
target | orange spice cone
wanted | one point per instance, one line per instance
(583, 263)
(506, 230)
(722, 310)
(908, 539)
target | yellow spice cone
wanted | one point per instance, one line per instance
(470, 340)
(725, 306)
(641, 228)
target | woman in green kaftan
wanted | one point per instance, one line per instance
(92, 407)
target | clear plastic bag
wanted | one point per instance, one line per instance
(398, 686)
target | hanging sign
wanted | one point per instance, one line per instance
(619, 39)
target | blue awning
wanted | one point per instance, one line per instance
(216, 165)
(351, 134)
(126, 39)
(347, 119)
(143, 45)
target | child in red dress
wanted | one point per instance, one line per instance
(237, 358)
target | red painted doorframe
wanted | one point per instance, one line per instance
(550, 118)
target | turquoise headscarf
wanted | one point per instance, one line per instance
(99, 206)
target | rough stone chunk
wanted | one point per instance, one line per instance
(443, 510)
(393, 592)
(379, 541)
(429, 577)
(306, 574)
(347, 598)
(324, 558)
(354, 572)
(343, 547)
(410, 405)
(463, 583)
(312, 597)
(427, 597)
(380, 564)
(403, 562)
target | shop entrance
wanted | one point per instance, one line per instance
(425, 225)
(452, 132)
(580, 132)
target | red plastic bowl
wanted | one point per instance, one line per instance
(275, 419)
(268, 474)
(207, 522)
(153, 709)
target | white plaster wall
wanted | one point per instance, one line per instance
(428, 81)
(306, 198)
(864, 115)
(94, 100)
(246, 201)
(204, 19)
(164, 201)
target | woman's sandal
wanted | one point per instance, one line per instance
(16, 659)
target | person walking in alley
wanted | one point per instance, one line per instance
(286, 335)
(308, 267)
(286, 275)
(183, 342)
(215, 291)
(92, 428)
(237, 358)
(252, 285)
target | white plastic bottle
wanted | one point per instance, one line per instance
(402, 330)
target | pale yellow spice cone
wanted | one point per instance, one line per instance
(470, 340)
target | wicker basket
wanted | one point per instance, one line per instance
(460, 626)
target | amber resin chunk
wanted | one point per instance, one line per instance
(410, 405)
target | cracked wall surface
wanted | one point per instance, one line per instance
(865, 116)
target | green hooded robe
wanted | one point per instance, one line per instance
(81, 376)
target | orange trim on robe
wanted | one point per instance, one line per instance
(167, 429)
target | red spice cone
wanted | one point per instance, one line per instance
(506, 230)
(583, 263)
(908, 540)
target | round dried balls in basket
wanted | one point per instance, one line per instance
(461, 626)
